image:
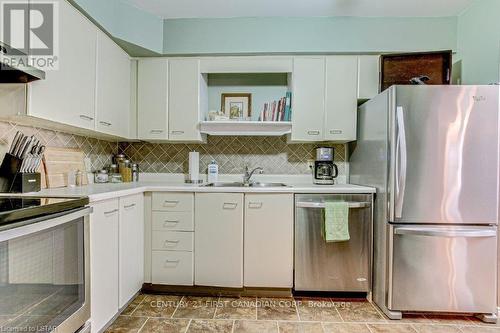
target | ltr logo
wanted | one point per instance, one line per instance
(32, 28)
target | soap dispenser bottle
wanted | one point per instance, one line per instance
(213, 172)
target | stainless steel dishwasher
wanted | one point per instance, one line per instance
(339, 266)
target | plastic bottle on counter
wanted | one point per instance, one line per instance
(213, 172)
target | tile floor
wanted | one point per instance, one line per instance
(169, 313)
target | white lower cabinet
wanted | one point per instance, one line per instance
(172, 267)
(104, 262)
(268, 240)
(131, 247)
(219, 239)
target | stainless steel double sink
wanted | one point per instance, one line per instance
(241, 184)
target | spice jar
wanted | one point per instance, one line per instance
(126, 171)
(101, 176)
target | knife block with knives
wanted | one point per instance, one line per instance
(18, 171)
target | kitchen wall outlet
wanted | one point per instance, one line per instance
(310, 164)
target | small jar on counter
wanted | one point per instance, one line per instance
(101, 176)
(113, 168)
(135, 172)
(126, 171)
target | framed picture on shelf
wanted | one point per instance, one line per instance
(237, 105)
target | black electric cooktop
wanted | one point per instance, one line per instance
(15, 209)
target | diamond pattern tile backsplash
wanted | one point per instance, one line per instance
(99, 151)
(231, 153)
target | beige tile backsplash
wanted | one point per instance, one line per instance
(99, 151)
(231, 153)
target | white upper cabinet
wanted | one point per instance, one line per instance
(113, 88)
(152, 99)
(67, 95)
(253, 64)
(308, 100)
(341, 105)
(184, 100)
(368, 76)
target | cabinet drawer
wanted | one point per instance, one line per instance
(175, 221)
(170, 267)
(173, 240)
(173, 202)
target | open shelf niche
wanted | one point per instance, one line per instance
(264, 87)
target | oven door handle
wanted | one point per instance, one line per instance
(48, 223)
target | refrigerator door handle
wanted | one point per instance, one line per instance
(435, 232)
(401, 162)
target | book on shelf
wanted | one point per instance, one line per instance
(277, 110)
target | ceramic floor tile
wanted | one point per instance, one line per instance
(449, 319)
(314, 309)
(345, 328)
(479, 329)
(359, 311)
(210, 326)
(254, 326)
(196, 308)
(133, 305)
(236, 308)
(157, 306)
(126, 324)
(427, 328)
(299, 327)
(276, 309)
(163, 325)
(391, 328)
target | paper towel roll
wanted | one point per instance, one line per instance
(194, 166)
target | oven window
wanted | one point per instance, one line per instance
(42, 278)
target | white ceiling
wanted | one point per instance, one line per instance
(300, 8)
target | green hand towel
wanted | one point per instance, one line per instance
(336, 221)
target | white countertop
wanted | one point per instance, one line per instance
(99, 192)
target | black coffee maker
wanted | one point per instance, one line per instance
(325, 171)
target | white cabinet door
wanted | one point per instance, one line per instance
(104, 263)
(113, 88)
(218, 233)
(184, 100)
(131, 245)
(67, 95)
(308, 101)
(152, 99)
(268, 260)
(341, 106)
(368, 76)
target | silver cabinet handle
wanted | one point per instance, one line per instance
(111, 212)
(255, 205)
(335, 131)
(177, 132)
(129, 206)
(168, 261)
(167, 223)
(170, 203)
(156, 131)
(229, 205)
(313, 132)
(105, 123)
(85, 117)
(435, 232)
(401, 161)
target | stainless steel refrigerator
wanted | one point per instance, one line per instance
(432, 152)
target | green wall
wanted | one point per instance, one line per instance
(327, 34)
(126, 22)
(479, 42)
